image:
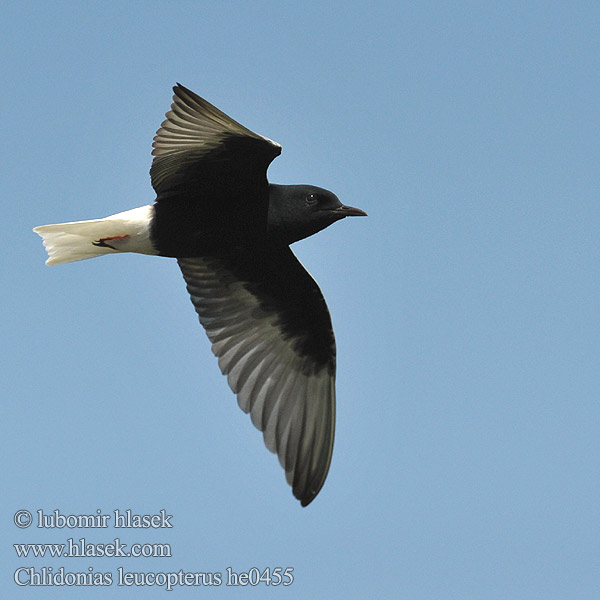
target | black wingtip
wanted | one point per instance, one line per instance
(180, 90)
(178, 87)
(310, 494)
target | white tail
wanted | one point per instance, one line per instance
(124, 232)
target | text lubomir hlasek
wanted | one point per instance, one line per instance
(126, 519)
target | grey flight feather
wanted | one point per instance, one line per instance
(289, 398)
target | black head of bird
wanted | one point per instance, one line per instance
(299, 211)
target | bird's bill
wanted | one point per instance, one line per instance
(350, 211)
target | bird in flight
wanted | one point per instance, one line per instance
(230, 231)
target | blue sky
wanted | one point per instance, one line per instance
(465, 307)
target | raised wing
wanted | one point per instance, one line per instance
(271, 331)
(199, 148)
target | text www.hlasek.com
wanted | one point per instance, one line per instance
(80, 548)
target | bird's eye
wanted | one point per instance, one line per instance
(312, 199)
